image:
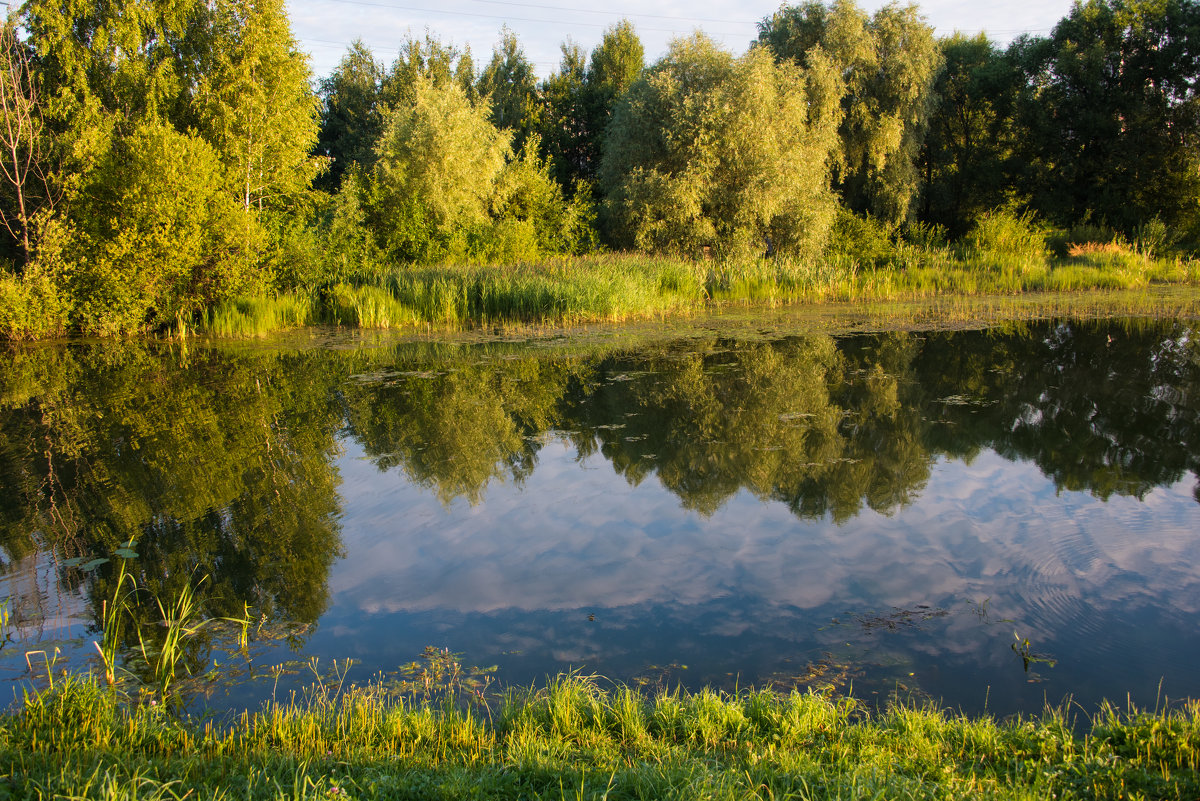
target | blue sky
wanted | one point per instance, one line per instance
(326, 27)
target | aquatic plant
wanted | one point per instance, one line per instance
(162, 655)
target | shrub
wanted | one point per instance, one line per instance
(1006, 234)
(863, 240)
(31, 307)
(1085, 235)
(157, 237)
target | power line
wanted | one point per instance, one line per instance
(611, 12)
(510, 18)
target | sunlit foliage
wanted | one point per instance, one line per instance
(688, 164)
(889, 62)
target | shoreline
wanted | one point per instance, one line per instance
(576, 739)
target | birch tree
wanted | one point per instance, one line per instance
(257, 108)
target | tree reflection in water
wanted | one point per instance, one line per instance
(223, 462)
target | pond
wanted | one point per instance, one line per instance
(994, 518)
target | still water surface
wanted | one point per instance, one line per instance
(992, 518)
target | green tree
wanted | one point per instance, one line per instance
(428, 59)
(564, 125)
(578, 102)
(139, 59)
(446, 184)
(436, 169)
(688, 163)
(257, 108)
(615, 63)
(140, 98)
(153, 227)
(509, 85)
(1112, 115)
(352, 113)
(969, 153)
(889, 62)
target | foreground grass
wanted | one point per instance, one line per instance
(622, 287)
(573, 739)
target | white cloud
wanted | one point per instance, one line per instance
(326, 27)
(577, 536)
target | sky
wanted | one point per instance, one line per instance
(326, 27)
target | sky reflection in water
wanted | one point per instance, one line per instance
(892, 511)
(753, 591)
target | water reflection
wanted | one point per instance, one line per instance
(219, 467)
(738, 505)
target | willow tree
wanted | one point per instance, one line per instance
(446, 184)
(358, 96)
(436, 165)
(730, 154)
(889, 61)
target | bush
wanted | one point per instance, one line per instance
(1155, 238)
(927, 236)
(863, 240)
(157, 238)
(1004, 233)
(1084, 236)
(31, 307)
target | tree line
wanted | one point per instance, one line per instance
(159, 158)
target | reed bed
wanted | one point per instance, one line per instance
(625, 287)
(258, 316)
(578, 738)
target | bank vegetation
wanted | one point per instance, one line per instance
(172, 168)
(578, 739)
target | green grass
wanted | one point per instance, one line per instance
(626, 287)
(257, 316)
(558, 291)
(615, 287)
(577, 739)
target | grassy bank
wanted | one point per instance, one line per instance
(620, 287)
(574, 739)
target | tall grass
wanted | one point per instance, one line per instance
(612, 287)
(258, 316)
(574, 738)
(1005, 254)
